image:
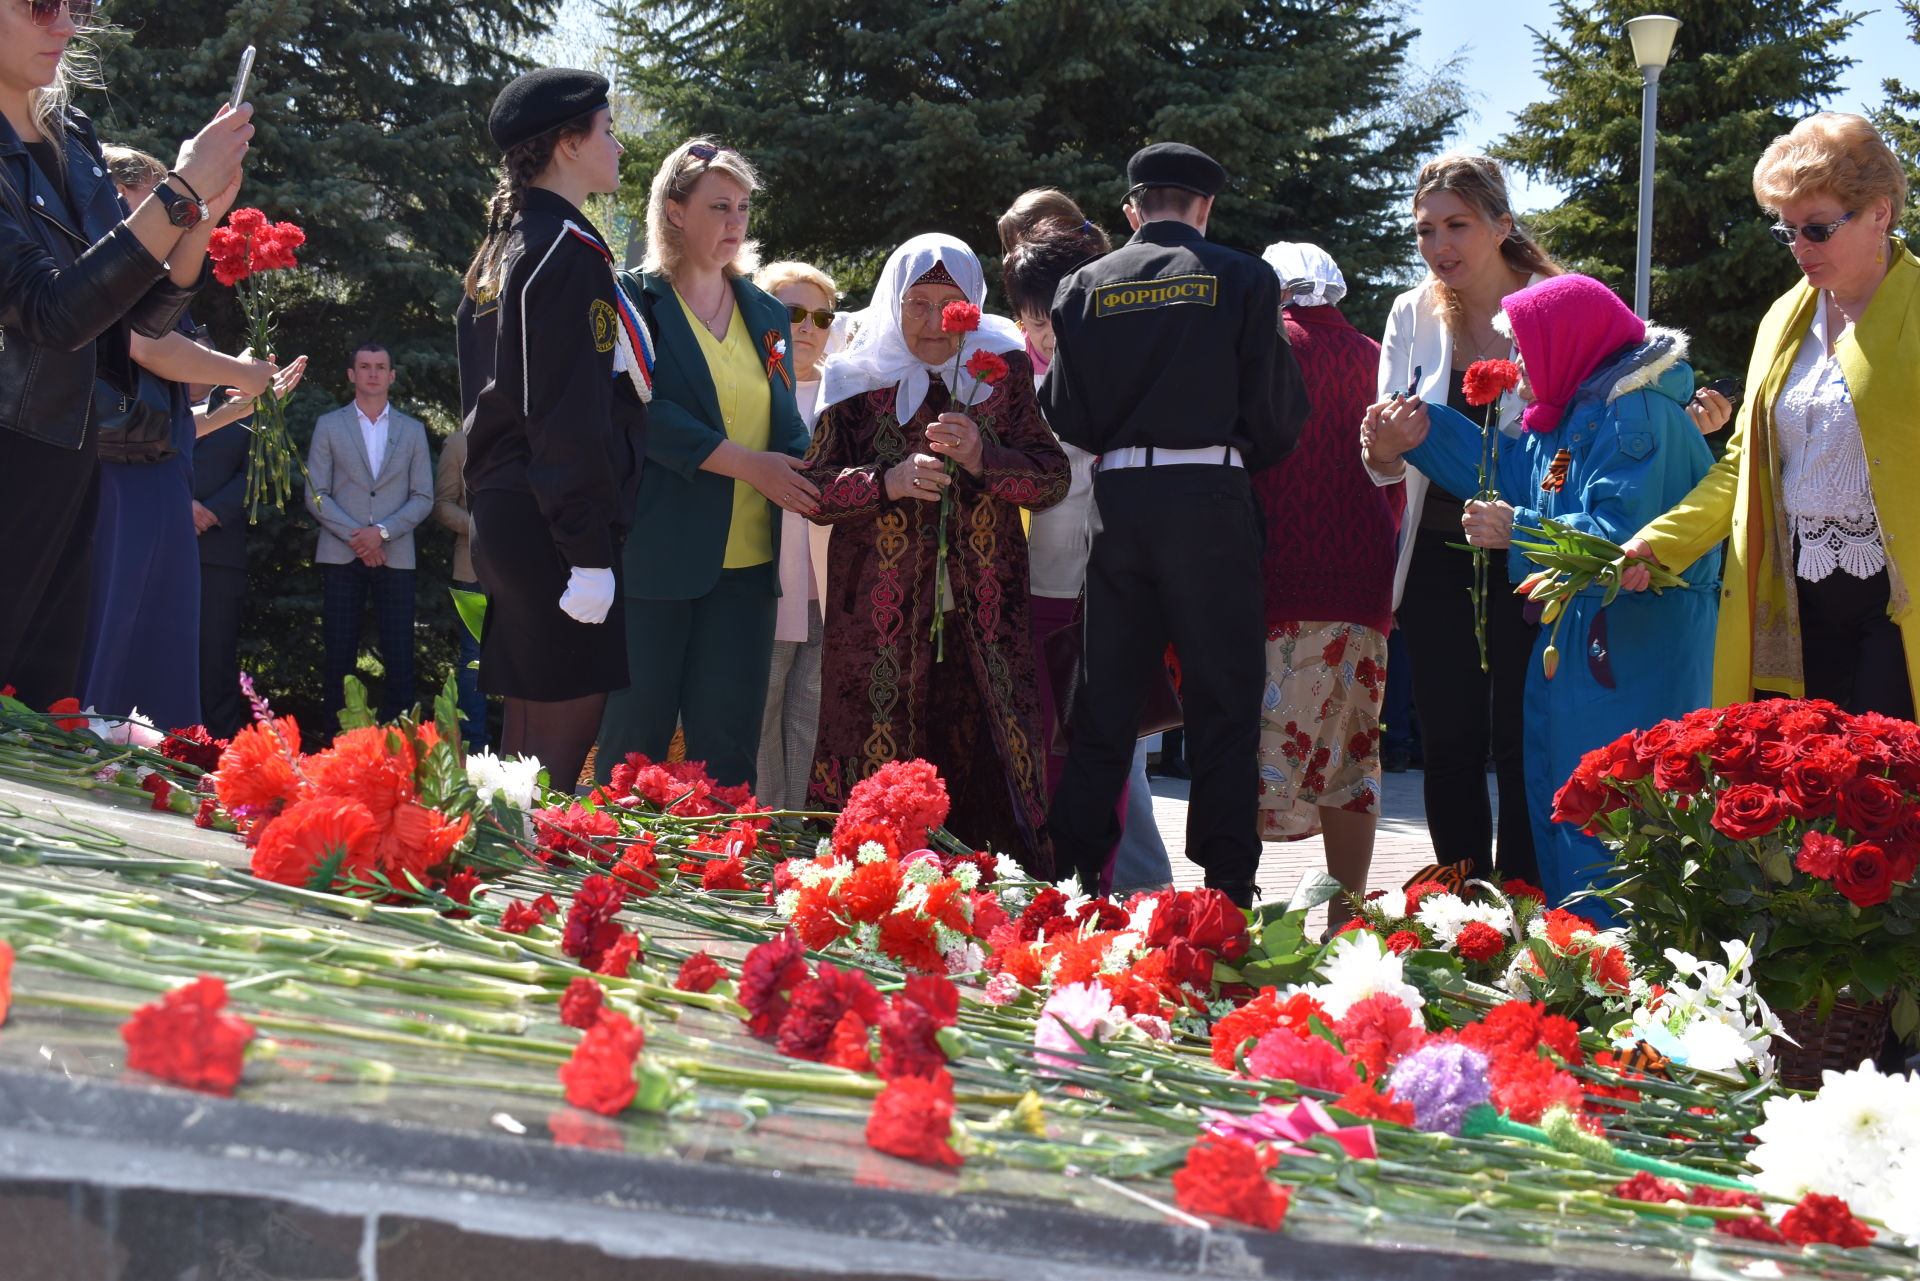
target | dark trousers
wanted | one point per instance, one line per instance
(1466, 713)
(473, 704)
(48, 500)
(223, 595)
(1177, 559)
(1852, 650)
(1397, 727)
(702, 664)
(343, 606)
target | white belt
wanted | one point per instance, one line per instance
(1152, 456)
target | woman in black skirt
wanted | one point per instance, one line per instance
(557, 431)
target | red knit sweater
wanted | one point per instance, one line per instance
(1331, 532)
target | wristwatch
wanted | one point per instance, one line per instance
(384, 535)
(184, 210)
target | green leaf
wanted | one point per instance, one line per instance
(1274, 972)
(356, 714)
(1284, 935)
(472, 608)
(1905, 1016)
(1224, 973)
(327, 870)
(1314, 889)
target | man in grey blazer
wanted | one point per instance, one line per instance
(370, 483)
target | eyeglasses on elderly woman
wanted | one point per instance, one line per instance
(821, 319)
(1816, 232)
(47, 12)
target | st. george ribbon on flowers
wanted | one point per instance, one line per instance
(243, 249)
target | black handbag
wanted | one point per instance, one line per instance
(1062, 652)
(133, 426)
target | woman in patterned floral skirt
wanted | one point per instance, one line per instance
(880, 454)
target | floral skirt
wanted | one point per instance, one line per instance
(1320, 725)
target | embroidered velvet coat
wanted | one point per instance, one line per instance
(883, 697)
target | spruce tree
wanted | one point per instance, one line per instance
(1742, 73)
(874, 120)
(370, 120)
(1899, 122)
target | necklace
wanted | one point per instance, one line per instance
(719, 311)
(1495, 343)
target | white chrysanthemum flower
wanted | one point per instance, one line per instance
(823, 846)
(967, 876)
(923, 871)
(1120, 955)
(871, 852)
(1447, 914)
(514, 781)
(809, 873)
(787, 903)
(1857, 1139)
(1007, 870)
(1359, 966)
(1077, 898)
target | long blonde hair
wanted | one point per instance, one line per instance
(674, 180)
(79, 69)
(1479, 182)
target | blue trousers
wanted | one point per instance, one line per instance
(347, 588)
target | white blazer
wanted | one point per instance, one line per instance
(1416, 339)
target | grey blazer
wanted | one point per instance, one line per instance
(347, 491)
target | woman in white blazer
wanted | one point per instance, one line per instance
(1476, 254)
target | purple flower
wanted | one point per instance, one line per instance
(1443, 1082)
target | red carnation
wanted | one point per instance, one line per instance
(461, 886)
(621, 957)
(905, 796)
(1378, 1032)
(1227, 1178)
(1820, 854)
(575, 830)
(987, 366)
(770, 972)
(1865, 875)
(873, 891)
(699, 972)
(818, 1006)
(158, 787)
(1486, 380)
(1478, 941)
(1646, 1187)
(1824, 1220)
(1369, 1104)
(912, 1118)
(590, 928)
(184, 1038)
(1753, 1227)
(320, 844)
(194, 746)
(639, 865)
(1420, 890)
(580, 1003)
(959, 318)
(910, 1027)
(599, 1076)
(1748, 811)
(1258, 1017)
(62, 710)
(521, 917)
(1400, 942)
(1517, 888)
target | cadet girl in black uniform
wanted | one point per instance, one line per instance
(556, 434)
(1171, 366)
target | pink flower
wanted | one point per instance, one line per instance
(1088, 1009)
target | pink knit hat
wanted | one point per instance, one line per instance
(1564, 327)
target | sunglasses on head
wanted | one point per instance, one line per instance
(47, 12)
(821, 319)
(1817, 232)
(706, 151)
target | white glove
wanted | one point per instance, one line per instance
(589, 595)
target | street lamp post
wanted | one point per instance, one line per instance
(1652, 38)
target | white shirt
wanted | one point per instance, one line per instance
(373, 432)
(1823, 465)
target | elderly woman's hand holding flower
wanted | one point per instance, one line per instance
(957, 437)
(1390, 429)
(1487, 524)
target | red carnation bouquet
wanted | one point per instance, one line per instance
(242, 251)
(1787, 822)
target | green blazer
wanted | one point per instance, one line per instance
(682, 514)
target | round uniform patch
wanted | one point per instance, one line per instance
(605, 322)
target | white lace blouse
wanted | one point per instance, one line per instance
(1823, 465)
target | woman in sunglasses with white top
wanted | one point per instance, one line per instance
(1816, 488)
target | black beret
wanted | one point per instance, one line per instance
(543, 100)
(1175, 164)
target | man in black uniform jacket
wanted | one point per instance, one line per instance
(1173, 367)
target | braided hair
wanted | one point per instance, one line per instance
(520, 167)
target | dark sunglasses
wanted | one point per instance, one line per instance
(47, 12)
(1817, 232)
(821, 319)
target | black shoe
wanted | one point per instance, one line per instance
(1175, 768)
(1394, 759)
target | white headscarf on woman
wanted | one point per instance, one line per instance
(1309, 277)
(878, 356)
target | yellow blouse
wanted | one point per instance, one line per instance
(740, 385)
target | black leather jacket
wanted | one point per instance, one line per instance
(67, 293)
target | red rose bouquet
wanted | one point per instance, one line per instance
(242, 251)
(1790, 823)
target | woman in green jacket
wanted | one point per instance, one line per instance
(724, 443)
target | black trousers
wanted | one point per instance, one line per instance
(48, 498)
(343, 606)
(1177, 559)
(1852, 650)
(223, 595)
(1466, 713)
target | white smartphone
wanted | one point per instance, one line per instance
(240, 81)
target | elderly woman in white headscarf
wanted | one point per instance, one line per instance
(1328, 571)
(915, 412)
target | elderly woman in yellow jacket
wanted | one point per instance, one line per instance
(1817, 489)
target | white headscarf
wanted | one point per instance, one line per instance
(1309, 277)
(878, 356)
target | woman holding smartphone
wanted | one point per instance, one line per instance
(77, 276)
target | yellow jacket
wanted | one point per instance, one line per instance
(1758, 642)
